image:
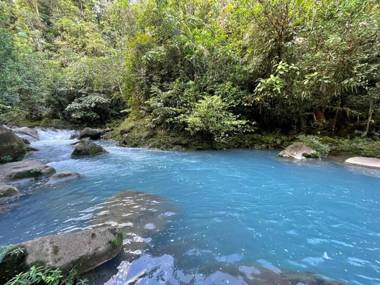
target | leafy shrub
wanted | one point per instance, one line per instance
(42, 275)
(356, 146)
(315, 143)
(89, 108)
(211, 116)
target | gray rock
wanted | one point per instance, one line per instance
(93, 134)
(26, 141)
(30, 148)
(63, 177)
(8, 191)
(87, 148)
(134, 212)
(25, 169)
(12, 148)
(84, 250)
(298, 151)
(27, 133)
(75, 135)
(370, 162)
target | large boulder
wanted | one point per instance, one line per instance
(93, 134)
(12, 148)
(298, 151)
(84, 250)
(25, 169)
(87, 148)
(370, 162)
(27, 133)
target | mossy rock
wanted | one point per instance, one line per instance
(87, 148)
(12, 148)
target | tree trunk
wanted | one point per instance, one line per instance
(335, 120)
(370, 113)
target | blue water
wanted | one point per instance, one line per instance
(235, 208)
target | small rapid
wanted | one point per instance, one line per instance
(223, 217)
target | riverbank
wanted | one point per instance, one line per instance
(137, 133)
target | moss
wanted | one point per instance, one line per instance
(117, 242)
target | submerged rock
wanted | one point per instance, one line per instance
(148, 269)
(93, 134)
(134, 212)
(27, 133)
(139, 216)
(298, 151)
(84, 250)
(25, 169)
(370, 162)
(12, 148)
(87, 148)
(63, 177)
(8, 191)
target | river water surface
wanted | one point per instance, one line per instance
(236, 211)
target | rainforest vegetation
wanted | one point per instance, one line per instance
(219, 71)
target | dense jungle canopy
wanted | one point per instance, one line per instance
(209, 68)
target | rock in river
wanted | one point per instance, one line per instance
(299, 151)
(27, 133)
(139, 216)
(87, 148)
(83, 250)
(24, 169)
(135, 212)
(63, 177)
(370, 162)
(8, 191)
(93, 134)
(12, 148)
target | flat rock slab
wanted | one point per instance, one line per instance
(24, 169)
(371, 162)
(84, 250)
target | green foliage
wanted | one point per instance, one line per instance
(42, 275)
(315, 143)
(356, 146)
(211, 116)
(298, 66)
(4, 250)
(89, 109)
